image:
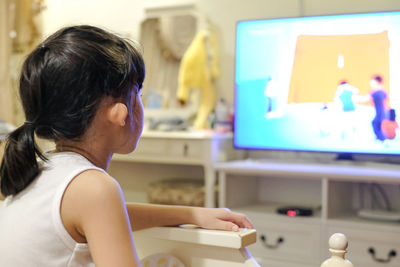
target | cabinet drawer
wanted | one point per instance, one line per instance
(371, 248)
(185, 149)
(152, 147)
(287, 241)
(281, 263)
(169, 150)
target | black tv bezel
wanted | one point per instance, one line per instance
(340, 155)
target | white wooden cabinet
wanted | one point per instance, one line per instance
(258, 187)
(285, 241)
(186, 152)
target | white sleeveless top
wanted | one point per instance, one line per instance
(31, 231)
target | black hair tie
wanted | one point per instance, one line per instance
(30, 124)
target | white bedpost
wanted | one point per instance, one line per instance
(338, 247)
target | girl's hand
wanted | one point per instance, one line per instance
(220, 219)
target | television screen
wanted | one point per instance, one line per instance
(323, 83)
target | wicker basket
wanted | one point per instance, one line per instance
(188, 192)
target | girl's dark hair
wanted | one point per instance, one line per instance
(61, 86)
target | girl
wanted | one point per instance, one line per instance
(80, 88)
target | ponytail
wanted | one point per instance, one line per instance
(19, 166)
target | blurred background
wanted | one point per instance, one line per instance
(24, 23)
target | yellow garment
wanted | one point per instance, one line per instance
(198, 70)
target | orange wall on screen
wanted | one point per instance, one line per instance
(316, 75)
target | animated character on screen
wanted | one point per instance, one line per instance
(325, 123)
(390, 126)
(346, 95)
(271, 94)
(379, 98)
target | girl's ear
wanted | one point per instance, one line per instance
(117, 113)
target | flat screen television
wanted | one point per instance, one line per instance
(321, 84)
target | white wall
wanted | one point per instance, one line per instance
(124, 16)
(121, 16)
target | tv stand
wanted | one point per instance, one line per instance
(344, 156)
(258, 187)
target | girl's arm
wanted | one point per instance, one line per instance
(93, 210)
(150, 215)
